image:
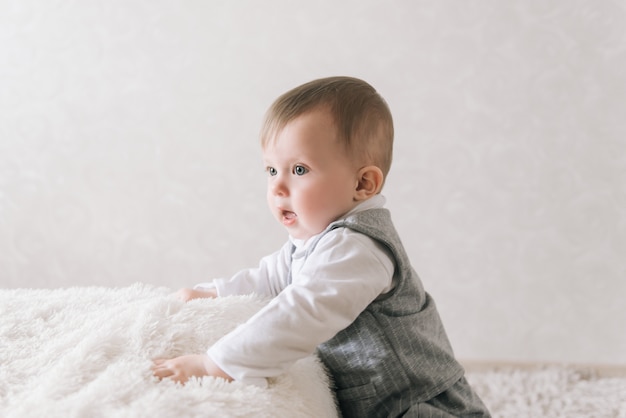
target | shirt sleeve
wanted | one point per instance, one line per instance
(268, 279)
(345, 273)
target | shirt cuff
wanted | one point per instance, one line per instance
(204, 286)
(237, 373)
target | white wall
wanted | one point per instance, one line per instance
(128, 150)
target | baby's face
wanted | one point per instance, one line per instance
(311, 180)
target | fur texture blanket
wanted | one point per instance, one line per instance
(87, 352)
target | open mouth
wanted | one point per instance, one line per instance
(288, 217)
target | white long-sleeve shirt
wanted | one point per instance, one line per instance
(329, 289)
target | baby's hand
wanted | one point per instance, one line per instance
(188, 294)
(180, 369)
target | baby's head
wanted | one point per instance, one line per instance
(361, 117)
(326, 147)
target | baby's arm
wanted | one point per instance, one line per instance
(263, 280)
(326, 296)
(268, 279)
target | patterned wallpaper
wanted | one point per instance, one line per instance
(128, 150)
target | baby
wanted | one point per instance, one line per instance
(342, 286)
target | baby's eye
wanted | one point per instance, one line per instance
(272, 171)
(300, 170)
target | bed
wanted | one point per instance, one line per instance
(87, 351)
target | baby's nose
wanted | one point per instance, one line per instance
(279, 188)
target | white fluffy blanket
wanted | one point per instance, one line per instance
(86, 352)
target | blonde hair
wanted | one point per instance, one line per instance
(361, 116)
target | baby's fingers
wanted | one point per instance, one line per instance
(160, 369)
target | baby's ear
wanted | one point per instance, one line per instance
(370, 182)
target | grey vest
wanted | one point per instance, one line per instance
(396, 353)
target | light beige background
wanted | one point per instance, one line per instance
(128, 150)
